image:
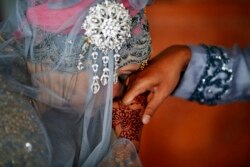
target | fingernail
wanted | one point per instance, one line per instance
(126, 102)
(146, 119)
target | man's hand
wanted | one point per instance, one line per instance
(160, 78)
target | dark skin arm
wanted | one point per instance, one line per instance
(159, 78)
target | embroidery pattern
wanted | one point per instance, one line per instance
(216, 79)
(127, 120)
(49, 48)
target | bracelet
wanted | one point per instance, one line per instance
(143, 64)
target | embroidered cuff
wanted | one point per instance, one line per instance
(216, 78)
(207, 77)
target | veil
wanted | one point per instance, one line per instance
(69, 75)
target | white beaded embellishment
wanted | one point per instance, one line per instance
(107, 27)
(216, 79)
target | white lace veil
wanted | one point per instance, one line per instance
(47, 35)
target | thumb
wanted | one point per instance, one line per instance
(153, 103)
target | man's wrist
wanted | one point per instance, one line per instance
(186, 55)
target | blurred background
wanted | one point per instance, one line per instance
(182, 133)
(5, 8)
(186, 134)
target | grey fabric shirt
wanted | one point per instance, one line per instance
(216, 75)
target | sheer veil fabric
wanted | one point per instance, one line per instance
(46, 36)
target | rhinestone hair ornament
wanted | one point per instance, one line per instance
(107, 27)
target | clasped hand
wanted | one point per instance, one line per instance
(159, 78)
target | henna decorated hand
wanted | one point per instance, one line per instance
(127, 119)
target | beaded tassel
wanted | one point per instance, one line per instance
(107, 27)
(95, 87)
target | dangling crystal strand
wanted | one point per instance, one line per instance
(95, 87)
(95, 68)
(117, 59)
(107, 26)
(105, 74)
(85, 47)
(80, 65)
(81, 55)
(94, 55)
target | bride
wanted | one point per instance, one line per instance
(63, 62)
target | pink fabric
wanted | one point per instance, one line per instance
(52, 20)
(127, 5)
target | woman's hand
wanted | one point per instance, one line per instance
(160, 78)
(126, 119)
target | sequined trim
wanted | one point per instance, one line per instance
(216, 79)
(22, 137)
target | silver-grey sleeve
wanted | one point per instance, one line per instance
(216, 75)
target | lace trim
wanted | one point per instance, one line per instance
(49, 48)
(216, 79)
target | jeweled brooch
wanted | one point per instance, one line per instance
(107, 27)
